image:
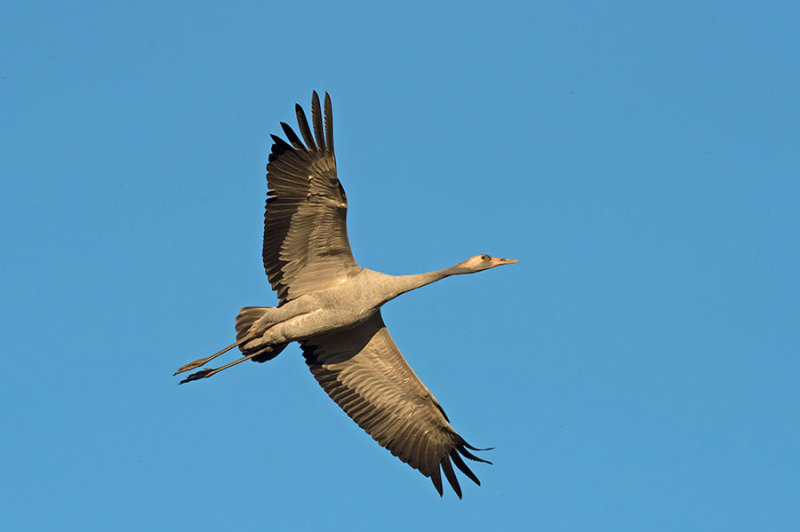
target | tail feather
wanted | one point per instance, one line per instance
(247, 317)
(245, 320)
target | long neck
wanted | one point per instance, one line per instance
(405, 283)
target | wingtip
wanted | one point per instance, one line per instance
(447, 467)
(463, 467)
(477, 448)
(471, 456)
(328, 123)
(316, 121)
(305, 131)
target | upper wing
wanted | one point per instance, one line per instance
(364, 372)
(305, 224)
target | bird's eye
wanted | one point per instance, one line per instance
(484, 257)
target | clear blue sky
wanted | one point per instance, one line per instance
(638, 370)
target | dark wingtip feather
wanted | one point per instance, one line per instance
(471, 456)
(316, 120)
(476, 448)
(328, 123)
(436, 478)
(292, 136)
(463, 467)
(302, 123)
(451, 475)
(279, 146)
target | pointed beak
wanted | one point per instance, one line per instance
(500, 262)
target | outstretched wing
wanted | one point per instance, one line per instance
(305, 224)
(364, 372)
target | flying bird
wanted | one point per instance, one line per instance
(331, 306)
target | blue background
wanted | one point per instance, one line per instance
(638, 370)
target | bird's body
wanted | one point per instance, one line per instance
(354, 299)
(331, 306)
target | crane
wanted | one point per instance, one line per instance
(331, 306)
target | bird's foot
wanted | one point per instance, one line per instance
(196, 364)
(197, 375)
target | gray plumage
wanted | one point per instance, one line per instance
(331, 306)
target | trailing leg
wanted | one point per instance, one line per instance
(261, 354)
(203, 361)
(251, 324)
(205, 373)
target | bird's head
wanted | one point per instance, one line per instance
(482, 262)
